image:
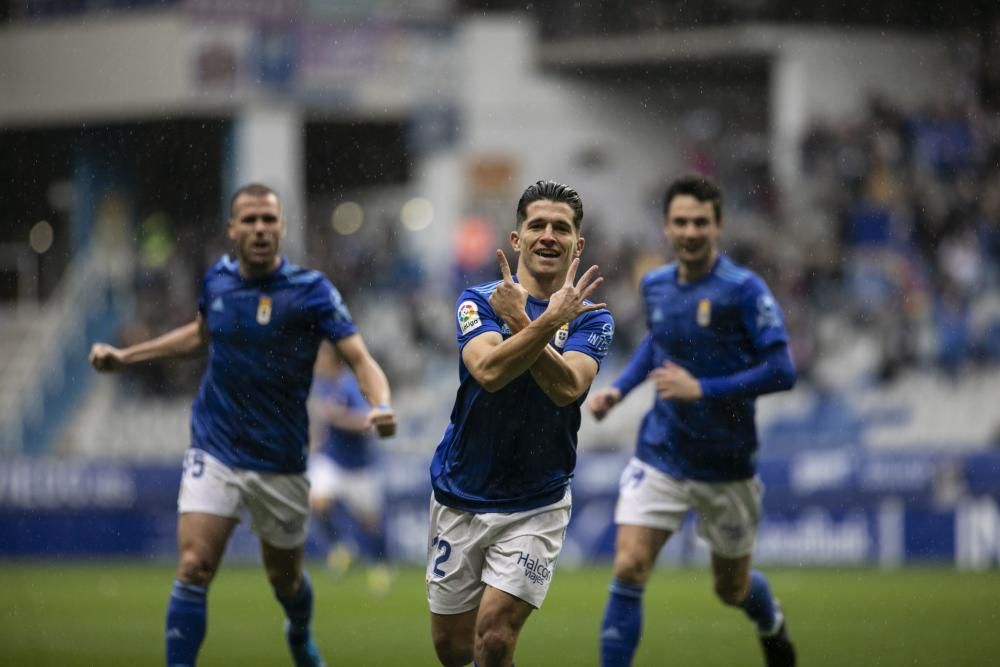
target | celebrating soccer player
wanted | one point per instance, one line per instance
(716, 341)
(529, 348)
(262, 320)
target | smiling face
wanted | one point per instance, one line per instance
(547, 241)
(693, 230)
(256, 226)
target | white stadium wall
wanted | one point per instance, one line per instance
(72, 70)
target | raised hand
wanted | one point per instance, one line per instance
(600, 403)
(567, 303)
(674, 382)
(104, 357)
(509, 298)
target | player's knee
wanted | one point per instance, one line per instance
(193, 568)
(495, 642)
(731, 591)
(632, 569)
(450, 652)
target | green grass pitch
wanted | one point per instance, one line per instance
(111, 615)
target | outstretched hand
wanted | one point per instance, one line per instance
(509, 298)
(104, 357)
(569, 301)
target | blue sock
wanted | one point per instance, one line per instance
(622, 624)
(298, 610)
(185, 623)
(759, 604)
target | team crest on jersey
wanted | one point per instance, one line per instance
(562, 336)
(704, 317)
(264, 310)
(468, 317)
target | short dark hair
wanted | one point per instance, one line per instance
(251, 190)
(552, 191)
(700, 187)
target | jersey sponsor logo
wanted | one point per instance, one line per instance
(704, 316)
(264, 310)
(535, 570)
(767, 312)
(562, 336)
(217, 305)
(468, 317)
(602, 341)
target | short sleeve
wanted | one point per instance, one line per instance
(762, 316)
(592, 334)
(474, 316)
(332, 316)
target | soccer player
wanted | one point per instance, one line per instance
(262, 319)
(529, 348)
(345, 494)
(716, 341)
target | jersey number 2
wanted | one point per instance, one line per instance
(445, 548)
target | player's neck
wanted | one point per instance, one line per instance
(539, 287)
(690, 272)
(257, 271)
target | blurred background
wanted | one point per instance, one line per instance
(857, 143)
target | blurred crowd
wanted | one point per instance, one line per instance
(909, 257)
(915, 202)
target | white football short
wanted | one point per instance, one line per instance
(278, 504)
(728, 512)
(360, 489)
(514, 552)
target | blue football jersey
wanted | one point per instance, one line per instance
(514, 449)
(348, 449)
(716, 326)
(250, 411)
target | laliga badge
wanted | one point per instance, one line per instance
(264, 310)
(562, 336)
(468, 317)
(704, 317)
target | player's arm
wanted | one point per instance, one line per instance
(180, 342)
(372, 381)
(563, 377)
(764, 325)
(774, 372)
(342, 416)
(495, 362)
(638, 368)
